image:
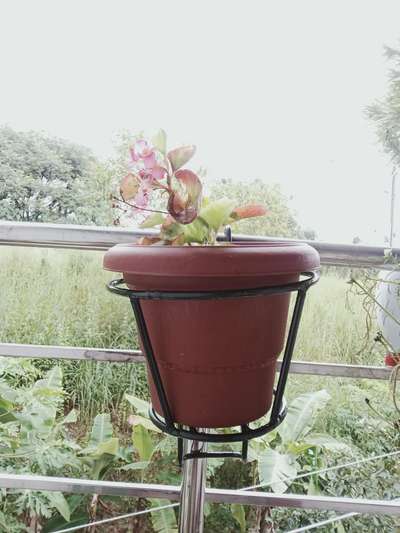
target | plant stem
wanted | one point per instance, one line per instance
(368, 293)
(140, 208)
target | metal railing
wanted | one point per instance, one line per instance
(98, 238)
(95, 238)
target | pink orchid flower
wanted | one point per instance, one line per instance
(150, 175)
(142, 198)
(141, 151)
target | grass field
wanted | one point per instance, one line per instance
(59, 298)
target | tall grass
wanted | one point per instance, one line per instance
(59, 298)
(333, 325)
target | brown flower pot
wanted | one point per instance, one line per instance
(217, 358)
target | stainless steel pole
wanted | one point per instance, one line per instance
(392, 206)
(191, 513)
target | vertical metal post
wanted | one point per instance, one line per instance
(392, 205)
(191, 513)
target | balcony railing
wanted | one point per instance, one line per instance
(95, 238)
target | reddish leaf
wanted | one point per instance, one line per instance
(182, 213)
(184, 206)
(191, 183)
(180, 156)
(129, 186)
(179, 240)
(392, 359)
(148, 241)
(248, 211)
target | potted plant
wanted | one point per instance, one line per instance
(217, 357)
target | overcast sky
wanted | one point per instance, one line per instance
(268, 89)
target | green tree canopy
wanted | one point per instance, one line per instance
(44, 179)
(385, 113)
(280, 221)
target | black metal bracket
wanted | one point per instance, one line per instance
(278, 410)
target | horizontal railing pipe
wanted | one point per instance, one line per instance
(38, 351)
(102, 238)
(172, 492)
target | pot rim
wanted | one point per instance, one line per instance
(232, 260)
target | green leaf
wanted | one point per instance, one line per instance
(166, 446)
(155, 219)
(57, 522)
(328, 442)
(196, 231)
(8, 393)
(217, 214)
(139, 465)
(339, 528)
(58, 501)
(163, 521)
(53, 380)
(134, 420)
(301, 412)
(275, 468)
(171, 230)
(238, 514)
(6, 414)
(100, 466)
(298, 448)
(180, 156)
(160, 141)
(141, 407)
(313, 488)
(101, 430)
(71, 417)
(142, 442)
(109, 447)
(38, 417)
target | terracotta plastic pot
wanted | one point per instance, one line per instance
(217, 358)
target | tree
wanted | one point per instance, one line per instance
(385, 113)
(310, 234)
(44, 179)
(280, 221)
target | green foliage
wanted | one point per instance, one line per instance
(280, 220)
(279, 455)
(275, 468)
(45, 179)
(141, 406)
(386, 112)
(238, 514)
(163, 521)
(59, 298)
(301, 415)
(216, 214)
(102, 448)
(142, 442)
(36, 438)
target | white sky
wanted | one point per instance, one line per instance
(268, 89)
